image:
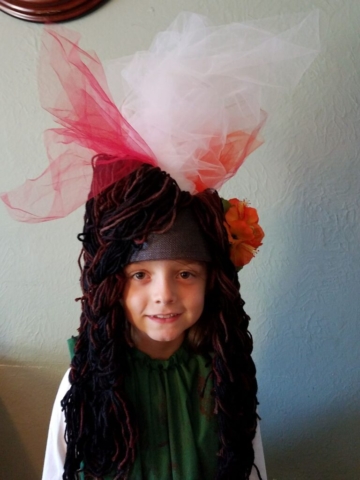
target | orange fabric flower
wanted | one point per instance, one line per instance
(244, 233)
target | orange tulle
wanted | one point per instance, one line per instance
(219, 164)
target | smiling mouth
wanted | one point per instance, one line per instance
(164, 318)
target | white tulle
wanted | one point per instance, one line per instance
(199, 82)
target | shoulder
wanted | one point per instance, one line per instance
(259, 459)
(64, 384)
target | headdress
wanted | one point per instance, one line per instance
(192, 104)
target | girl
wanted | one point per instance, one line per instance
(162, 384)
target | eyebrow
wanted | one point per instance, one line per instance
(183, 262)
(191, 262)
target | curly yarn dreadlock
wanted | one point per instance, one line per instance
(101, 430)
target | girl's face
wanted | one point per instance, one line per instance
(162, 299)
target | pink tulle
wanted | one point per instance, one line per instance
(74, 90)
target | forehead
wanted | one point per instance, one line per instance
(166, 264)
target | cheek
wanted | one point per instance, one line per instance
(127, 302)
(133, 300)
(198, 301)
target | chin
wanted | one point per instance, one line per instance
(167, 337)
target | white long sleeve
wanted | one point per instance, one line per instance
(56, 445)
(259, 456)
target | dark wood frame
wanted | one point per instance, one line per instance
(48, 11)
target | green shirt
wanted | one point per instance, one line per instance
(174, 407)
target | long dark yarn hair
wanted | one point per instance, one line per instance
(101, 430)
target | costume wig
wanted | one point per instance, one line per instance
(101, 429)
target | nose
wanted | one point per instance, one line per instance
(164, 291)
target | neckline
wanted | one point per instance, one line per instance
(179, 357)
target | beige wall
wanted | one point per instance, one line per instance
(302, 290)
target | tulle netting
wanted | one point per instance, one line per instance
(73, 88)
(192, 104)
(197, 95)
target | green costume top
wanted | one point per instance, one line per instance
(178, 437)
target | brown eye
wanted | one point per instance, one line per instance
(185, 275)
(138, 275)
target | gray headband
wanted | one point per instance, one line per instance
(184, 240)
